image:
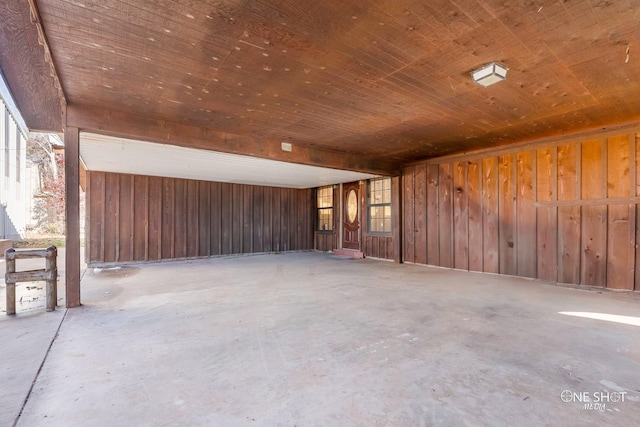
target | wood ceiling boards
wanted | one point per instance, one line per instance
(388, 80)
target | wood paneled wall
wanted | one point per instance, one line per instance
(377, 246)
(140, 218)
(563, 211)
(326, 241)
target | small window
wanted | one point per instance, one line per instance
(325, 208)
(379, 205)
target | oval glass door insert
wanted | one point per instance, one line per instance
(352, 206)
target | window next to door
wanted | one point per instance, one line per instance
(324, 205)
(379, 205)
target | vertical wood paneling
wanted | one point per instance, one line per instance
(392, 248)
(125, 223)
(96, 220)
(204, 219)
(635, 149)
(620, 245)
(289, 219)
(180, 218)
(307, 199)
(155, 218)
(299, 219)
(526, 215)
(168, 215)
(141, 218)
(293, 220)
(285, 205)
(257, 223)
(555, 212)
(112, 209)
(164, 218)
(569, 217)
(506, 215)
(247, 219)
(394, 244)
(633, 241)
(433, 225)
(325, 241)
(594, 218)
(237, 220)
(409, 211)
(193, 224)
(474, 197)
(378, 246)
(460, 216)
(87, 216)
(445, 220)
(215, 215)
(547, 217)
(420, 217)
(275, 219)
(226, 218)
(267, 240)
(490, 220)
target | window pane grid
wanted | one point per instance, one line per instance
(324, 205)
(380, 205)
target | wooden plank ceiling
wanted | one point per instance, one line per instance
(382, 79)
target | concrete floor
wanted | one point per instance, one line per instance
(312, 339)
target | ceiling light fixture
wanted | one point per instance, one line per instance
(489, 74)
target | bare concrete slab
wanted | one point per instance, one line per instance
(25, 341)
(312, 339)
(26, 336)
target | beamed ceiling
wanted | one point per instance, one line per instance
(387, 81)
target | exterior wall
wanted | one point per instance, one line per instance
(383, 246)
(15, 178)
(564, 211)
(141, 218)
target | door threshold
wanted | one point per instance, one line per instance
(351, 253)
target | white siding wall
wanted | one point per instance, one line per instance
(15, 200)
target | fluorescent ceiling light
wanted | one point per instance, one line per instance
(490, 74)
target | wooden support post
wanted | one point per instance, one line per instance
(72, 208)
(51, 260)
(10, 264)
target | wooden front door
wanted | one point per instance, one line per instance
(351, 216)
